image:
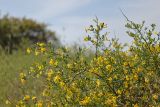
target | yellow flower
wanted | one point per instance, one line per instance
(50, 104)
(49, 74)
(20, 102)
(136, 105)
(39, 104)
(155, 96)
(106, 62)
(36, 52)
(57, 78)
(69, 66)
(115, 76)
(28, 50)
(110, 79)
(8, 102)
(53, 63)
(111, 101)
(23, 81)
(86, 39)
(85, 101)
(135, 77)
(139, 69)
(26, 98)
(22, 78)
(34, 98)
(156, 33)
(125, 71)
(127, 77)
(126, 84)
(157, 47)
(146, 79)
(119, 91)
(102, 25)
(125, 64)
(109, 68)
(143, 62)
(100, 60)
(43, 49)
(98, 82)
(40, 44)
(69, 94)
(45, 92)
(62, 84)
(40, 67)
(135, 57)
(22, 75)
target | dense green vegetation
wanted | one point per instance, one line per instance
(10, 66)
(113, 75)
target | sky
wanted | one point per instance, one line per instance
(68, 18)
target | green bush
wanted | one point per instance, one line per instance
(113, 77)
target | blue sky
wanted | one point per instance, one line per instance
(70, 17)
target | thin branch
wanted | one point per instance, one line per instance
(124, 15)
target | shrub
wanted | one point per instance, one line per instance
(113, 77)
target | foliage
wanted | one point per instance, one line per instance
(113, 77)
(17, 32)
(10, 67)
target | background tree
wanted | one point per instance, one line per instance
(16, 32)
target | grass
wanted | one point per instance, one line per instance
(10, 66)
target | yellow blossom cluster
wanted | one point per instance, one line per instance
(114, 76)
